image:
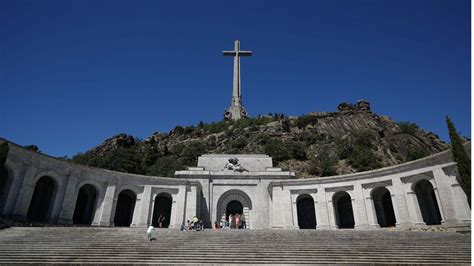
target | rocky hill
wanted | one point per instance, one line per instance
(349, 140)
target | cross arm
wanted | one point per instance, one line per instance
(241, 53)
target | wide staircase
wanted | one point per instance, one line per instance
(128, 245)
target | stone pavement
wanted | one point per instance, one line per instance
(128, 245)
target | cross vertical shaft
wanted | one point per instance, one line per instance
(236, 110)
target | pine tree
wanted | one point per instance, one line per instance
(462, 159)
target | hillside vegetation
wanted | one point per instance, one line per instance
(349, 140)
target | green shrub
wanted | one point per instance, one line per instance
(165, 166)
(286, 125)
(324, 165)
(277, 150)
(408, 128)
(305, 120)
(415, 154)
(192, 151)
(297, 150)
(239, 143)
(358, 149)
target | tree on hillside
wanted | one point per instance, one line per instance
(461, 158)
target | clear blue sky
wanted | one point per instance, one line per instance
(73, 73)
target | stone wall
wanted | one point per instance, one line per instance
(270, 197)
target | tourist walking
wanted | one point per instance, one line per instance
(231, 218)
(149, 233)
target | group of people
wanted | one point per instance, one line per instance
(193, 224)
(236, 221)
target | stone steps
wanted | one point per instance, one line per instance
(128, 245)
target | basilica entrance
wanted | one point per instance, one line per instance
(234, 202)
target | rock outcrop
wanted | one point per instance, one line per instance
(294, 142)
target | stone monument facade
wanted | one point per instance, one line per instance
(236, 109)
(40, 188)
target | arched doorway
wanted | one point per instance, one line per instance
(42, 201)
(306, 212)
(233, 202)
(162, 210)
(383, 207)
(125, 207)
(427, 202)
(85, 205)
(343, 209)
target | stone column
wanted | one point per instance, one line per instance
(331, 210)
(25, 194)
(321, 208)
(281, 204)
(414, 208)
(400, 206)
(15, 188)
(445, 197)
(359, 209)
(69, 202)
(191, 202)
(371, 212)
(107, 206)
(294, 211)
(177, 207)
(458, 197)
(141, 214)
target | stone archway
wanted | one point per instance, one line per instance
(234, 198)
(42, 201)
(125, 208)
(162, 208)
(383, 207)
(306, 212)
(427, 202)
(343, 210)
(85, 205)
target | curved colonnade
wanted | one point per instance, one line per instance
(40, 188)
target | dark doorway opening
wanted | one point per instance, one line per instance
(85, 205)
(42, 200)
(234, 207)
(162, 210)
(427, 201)
(125, 207)
(306, 212)
(343, 207)
(384, 207)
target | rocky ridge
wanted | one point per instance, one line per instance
(317, 144)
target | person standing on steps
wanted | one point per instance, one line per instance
(230, 221)
(149, 233)
(161, 219)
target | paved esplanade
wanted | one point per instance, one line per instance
(236, 110)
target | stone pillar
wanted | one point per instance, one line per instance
(359, 209)
(331, 210)
(321, 208)
(294, 211)
(400, 206)
(69, 202)
(191, 202)
(371, 212)
(453, 199)
(142, 212)
(414, 208)
(98, 206)
(282, 211)
(444, 197)
(177, 207)
(15, 188)
(107, 205)
(25, 194)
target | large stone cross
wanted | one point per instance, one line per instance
(236, 110)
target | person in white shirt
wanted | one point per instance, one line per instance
(149, 233)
